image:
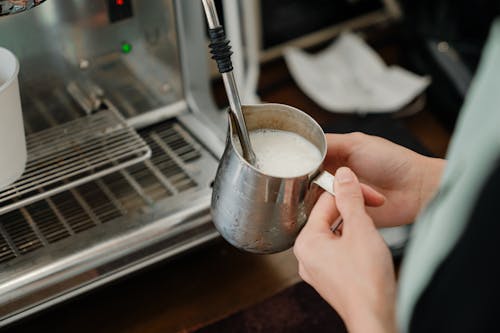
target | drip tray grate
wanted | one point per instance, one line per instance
(74, 153)
(174, 169)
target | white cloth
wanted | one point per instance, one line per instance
(349, 76)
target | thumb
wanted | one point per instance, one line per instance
(322, 215)
(349, 196)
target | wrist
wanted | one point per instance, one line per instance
(373, 312)
(383, 321)
(431, 173)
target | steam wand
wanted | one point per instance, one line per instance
(221, 53)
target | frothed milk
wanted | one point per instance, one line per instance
(284, 154)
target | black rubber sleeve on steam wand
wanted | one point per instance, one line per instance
(220, 49)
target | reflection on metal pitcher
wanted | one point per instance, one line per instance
(259, 213)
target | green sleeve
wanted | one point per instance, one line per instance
(472, 154)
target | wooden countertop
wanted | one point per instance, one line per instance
(195, 288)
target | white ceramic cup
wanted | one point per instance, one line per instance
(13, 153)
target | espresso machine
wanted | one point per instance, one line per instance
(123, 141)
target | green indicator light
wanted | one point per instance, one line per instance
(126, 48)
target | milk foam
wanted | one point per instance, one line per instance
(284, 154)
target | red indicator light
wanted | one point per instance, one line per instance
(117, 10)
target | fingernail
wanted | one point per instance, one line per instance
(344, 175)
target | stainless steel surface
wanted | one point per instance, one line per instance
(260, 213)
(205, 118)
(9, 7)
(72, 67)
(191, 234)
(107, 226)
(178, 164)
(211, 14)
(74, 153)
(231, 91)
(87, 260)
(240, 124)
(325, 181)
(55, 39)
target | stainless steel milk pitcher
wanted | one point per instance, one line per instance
(260, 213)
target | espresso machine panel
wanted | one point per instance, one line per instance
(133, 57)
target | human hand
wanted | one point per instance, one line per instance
(407, 180)
(353, 271)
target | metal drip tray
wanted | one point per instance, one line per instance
(95, 232)
(76, 152)
(179, 166)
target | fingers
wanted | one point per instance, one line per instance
(325, 211)
(340, 147)
(372, 197)
(341, 144)
(350, 193)
(349, 197)
(322, 215)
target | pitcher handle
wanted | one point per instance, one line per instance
(325, 180)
